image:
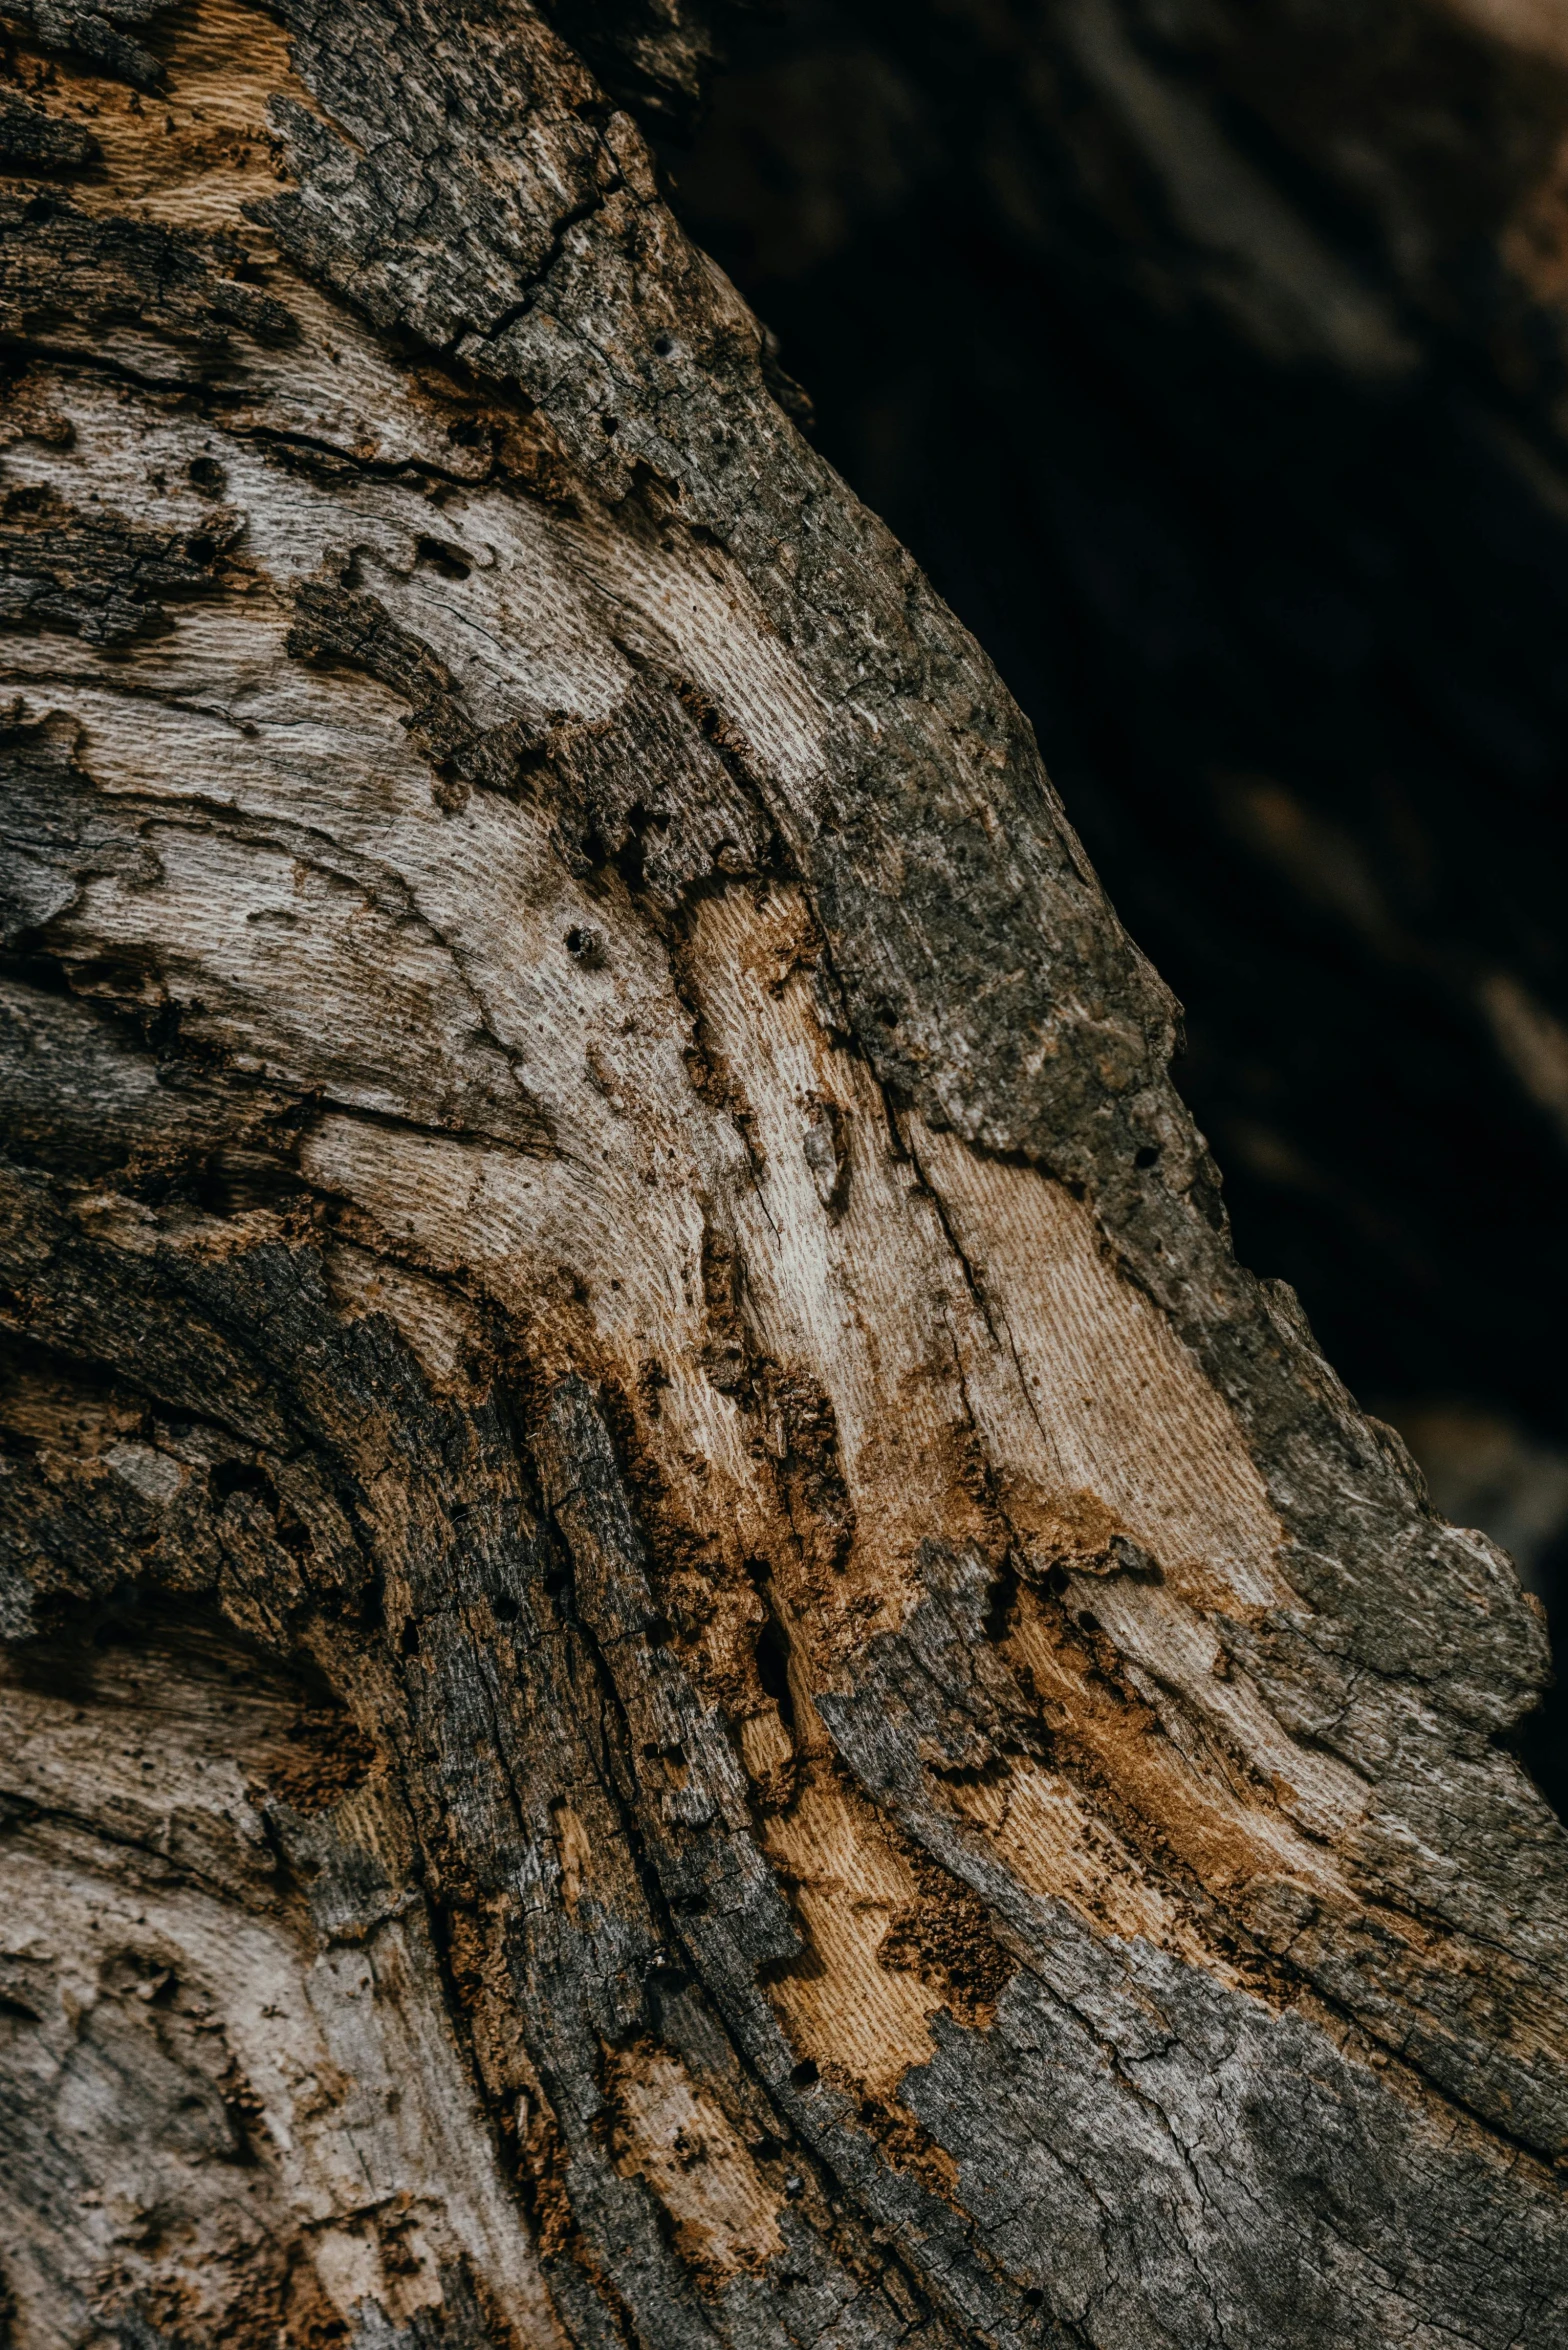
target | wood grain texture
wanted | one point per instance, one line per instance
(686, 1663)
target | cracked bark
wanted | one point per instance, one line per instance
(684, 1663)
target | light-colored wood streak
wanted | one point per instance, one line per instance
(689, 601)
(367, 2123)
(676, 2137)
(1100, 1386)
(1061, 1847)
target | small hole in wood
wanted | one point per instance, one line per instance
(440, 556)
(585, 947)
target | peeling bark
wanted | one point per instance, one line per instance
(685, 1661)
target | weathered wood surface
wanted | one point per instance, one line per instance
(1212, 356)
(686, 1664)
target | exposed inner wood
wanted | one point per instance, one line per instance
(655, 1695)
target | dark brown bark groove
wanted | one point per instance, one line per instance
(686, 1662)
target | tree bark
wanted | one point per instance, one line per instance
(1248, 325)
(686, 1664)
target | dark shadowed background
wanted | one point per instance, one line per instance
(1210, 355)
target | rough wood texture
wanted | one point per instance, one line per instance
(1212, 360)
(686, 1664)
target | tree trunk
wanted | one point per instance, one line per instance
(686, 1663)
(1250, 319)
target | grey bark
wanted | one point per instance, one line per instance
(686, 1662)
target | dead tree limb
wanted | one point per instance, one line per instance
(686, 1663)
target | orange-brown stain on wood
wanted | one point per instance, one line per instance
(1194, 1814)
(576, 1854)
(849, 1885)
(195, 154)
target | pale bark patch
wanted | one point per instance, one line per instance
(680, 2141)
